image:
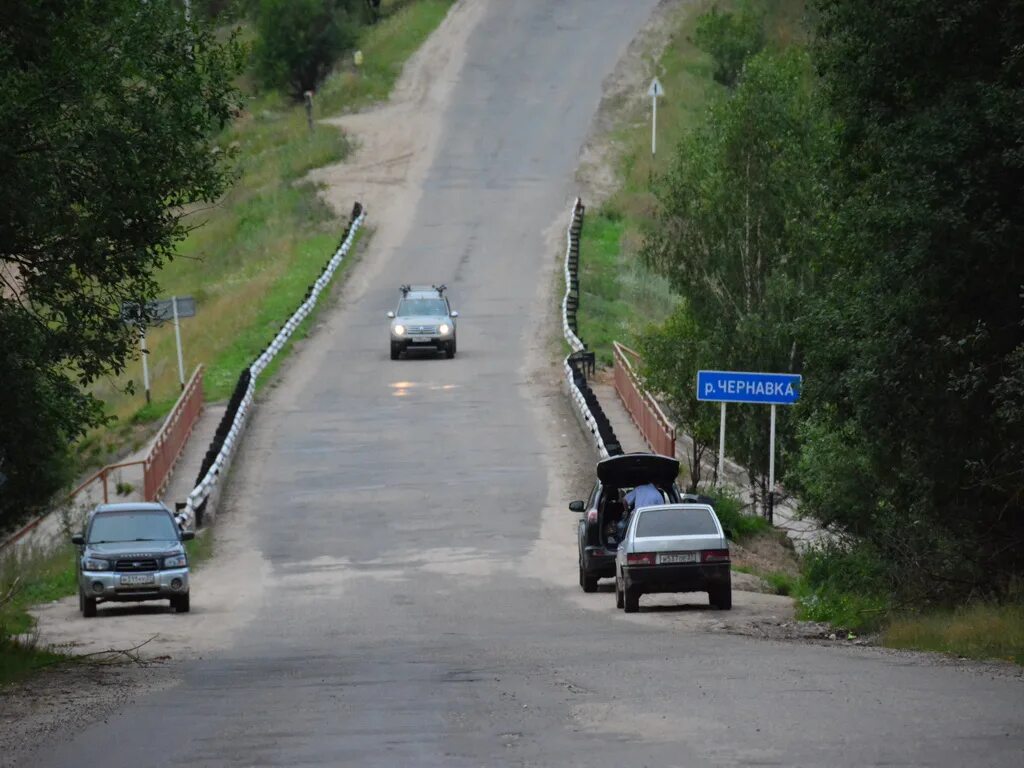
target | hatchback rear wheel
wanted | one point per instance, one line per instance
(721, 597)
(631, 600)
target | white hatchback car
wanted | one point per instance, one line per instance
(673, 548)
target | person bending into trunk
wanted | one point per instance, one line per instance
(645, 495)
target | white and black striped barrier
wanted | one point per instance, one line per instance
(229, 432)
(580, 360)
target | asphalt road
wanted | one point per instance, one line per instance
(411, 616)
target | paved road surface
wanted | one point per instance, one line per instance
(399, 507)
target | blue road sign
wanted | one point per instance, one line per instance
(743, 387)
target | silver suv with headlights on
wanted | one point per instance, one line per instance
(129, 553)
(424, 318)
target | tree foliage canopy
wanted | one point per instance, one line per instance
(730, 37)
(862, 221)
(106, 113)
(914, 341)
(301, 39)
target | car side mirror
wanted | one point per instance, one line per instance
(577, 506)
(454, 313)
(188, 535)
(78, 539)
(391, 315)
(729, 533)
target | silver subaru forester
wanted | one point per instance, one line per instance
(132, 552)
(424, 318)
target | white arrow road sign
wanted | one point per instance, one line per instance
(654, 92)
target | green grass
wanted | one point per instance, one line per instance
(975, 632)
(604, 312)
(20, 660)
(386, 46)
(201, 549)
(27, 579)
(781, 583)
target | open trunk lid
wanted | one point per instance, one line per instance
(633, 469)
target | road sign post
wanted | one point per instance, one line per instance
(721, 445)
(177, 339)
(655, 91)
(771, 472)
(158, 312)
(742, 387)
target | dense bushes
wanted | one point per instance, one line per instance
(731, 39)
(299, 40)
(738, 523)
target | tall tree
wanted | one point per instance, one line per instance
(106, 112)
(300, 40)
(672, 354)
(737, 223)
(915, 348)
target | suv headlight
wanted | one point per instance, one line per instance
(445, 329)
(176, 561)
(399, 329)
(93, 564)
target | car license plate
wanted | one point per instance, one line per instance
(673, 558)
(136, 579)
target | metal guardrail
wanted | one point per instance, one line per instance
(580, 361)
(171, 439)
(228, 436)
(99, 476)
(156, 466)
(654, 425)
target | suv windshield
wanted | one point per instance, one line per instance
(411, 307)
(675, 522)
(140, 525)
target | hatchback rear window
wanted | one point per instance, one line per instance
(675, 522)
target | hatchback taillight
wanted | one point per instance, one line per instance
(640, 558)
(592, 516)
(714, 556)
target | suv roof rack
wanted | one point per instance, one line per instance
(438, 289)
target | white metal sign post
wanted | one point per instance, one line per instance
(759, 388)
(174, 309)
(721, 444)
(655, 91)
(177, 339)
